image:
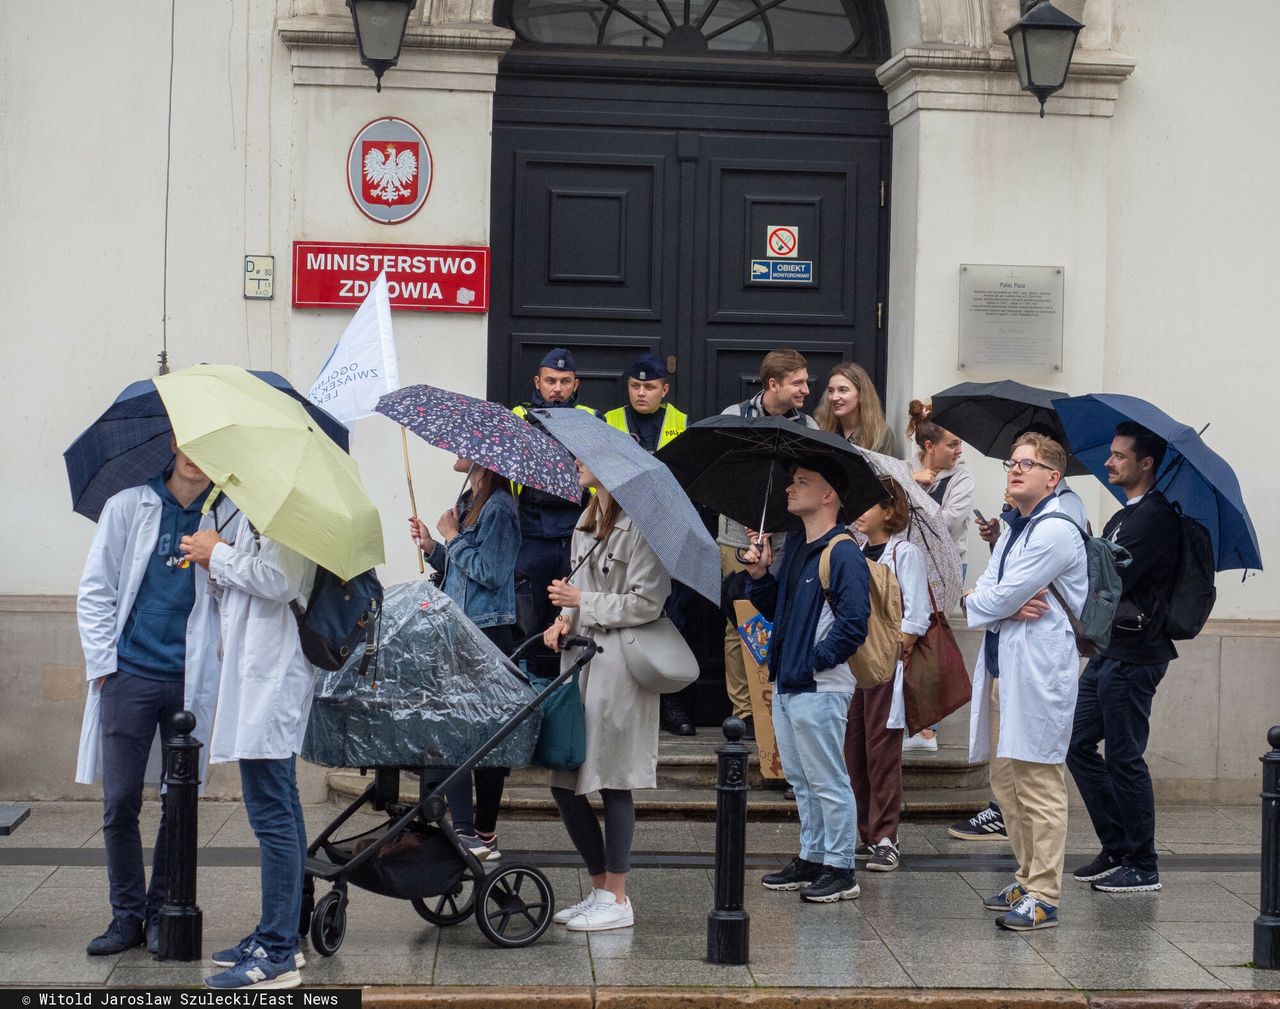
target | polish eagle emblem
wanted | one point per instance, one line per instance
(389, 173)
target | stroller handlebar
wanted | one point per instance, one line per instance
(576, 641)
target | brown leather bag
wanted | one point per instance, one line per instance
(935, 681)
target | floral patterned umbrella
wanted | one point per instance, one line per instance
(488, 434)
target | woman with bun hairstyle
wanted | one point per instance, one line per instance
(851, 408)
(945, 478)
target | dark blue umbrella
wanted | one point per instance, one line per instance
(129, 443)
(1192, 474)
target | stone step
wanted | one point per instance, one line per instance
(533, 801)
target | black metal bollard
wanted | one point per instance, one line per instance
(181, 921)
(729, 925)
(1266, 927)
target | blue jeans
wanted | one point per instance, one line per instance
(1114, 708)
(809, 729)
(131, 709)
(271, 800)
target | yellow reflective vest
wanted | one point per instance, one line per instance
(673, 423)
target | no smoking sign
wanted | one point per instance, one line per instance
(782, 241)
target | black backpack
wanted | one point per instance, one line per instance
(339, 616)
(1192, 597)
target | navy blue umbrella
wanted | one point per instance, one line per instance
(129, 443)
(1192, 474)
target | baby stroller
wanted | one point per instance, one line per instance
(415, 855)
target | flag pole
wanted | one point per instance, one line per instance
(408, 475)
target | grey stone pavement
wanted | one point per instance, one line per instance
(922, 926)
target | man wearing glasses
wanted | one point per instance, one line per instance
(1028, 666)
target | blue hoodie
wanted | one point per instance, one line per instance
(794, 600)
(153, 644)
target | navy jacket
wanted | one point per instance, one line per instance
(794, 600)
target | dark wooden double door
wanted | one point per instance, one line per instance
(627, 213)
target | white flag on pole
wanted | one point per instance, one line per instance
(363, 365)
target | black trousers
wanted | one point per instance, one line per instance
(539, 563)
(1114, 708)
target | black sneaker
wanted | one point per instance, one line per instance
(121, 934)
(884, 857)
(863, 851)
(798, 873)
(750, 732)
(987, 825)
(1100, 868)
(832, 885)
(1127, 879)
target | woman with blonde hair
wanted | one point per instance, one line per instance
(617, 582)
(851, 408)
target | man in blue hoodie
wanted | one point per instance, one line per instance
(814, 633)
(137, 552)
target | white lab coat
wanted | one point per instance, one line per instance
(127, 532)
(265, 697)
(1039, 667)
(908, 564)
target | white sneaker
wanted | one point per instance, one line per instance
(605, 913)
(918, 742)
(569, 913)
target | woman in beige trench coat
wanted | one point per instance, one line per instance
(621, 584)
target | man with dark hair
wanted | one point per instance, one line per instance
(784, 381)
(1119, 684)
(546, 521)
(812, 682)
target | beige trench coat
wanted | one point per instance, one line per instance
(623, 585)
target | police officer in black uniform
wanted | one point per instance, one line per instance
(546, 521)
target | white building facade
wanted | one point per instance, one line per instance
(148, 148)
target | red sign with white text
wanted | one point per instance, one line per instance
(440, 278)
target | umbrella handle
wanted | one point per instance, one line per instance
(408, 475)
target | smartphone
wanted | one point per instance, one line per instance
(978, 515)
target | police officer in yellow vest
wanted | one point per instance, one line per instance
(647, 418)
(653, 422)
(546, 521)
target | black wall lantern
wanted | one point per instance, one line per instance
(380, 26)
(1042, 41)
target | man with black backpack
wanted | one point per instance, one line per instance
(1118, 684)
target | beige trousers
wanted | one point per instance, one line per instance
(735, 671)
(1033, 803)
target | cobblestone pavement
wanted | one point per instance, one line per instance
(923, 926)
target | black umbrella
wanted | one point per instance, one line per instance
(740, 467)
(990, 415)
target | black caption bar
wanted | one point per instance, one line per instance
(176, 998)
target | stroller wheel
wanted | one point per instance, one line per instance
(514, 906)
(329, 923)
(448, 908)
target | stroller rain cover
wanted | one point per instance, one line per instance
(437, 690)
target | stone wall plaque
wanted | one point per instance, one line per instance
(1011, 318)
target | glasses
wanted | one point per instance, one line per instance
(1025, 465)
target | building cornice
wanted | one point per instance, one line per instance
(977, 80)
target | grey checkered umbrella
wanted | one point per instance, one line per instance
(927, 531)
(647, 492)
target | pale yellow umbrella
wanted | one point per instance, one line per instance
(261, 449)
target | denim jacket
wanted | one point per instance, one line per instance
(480, 562)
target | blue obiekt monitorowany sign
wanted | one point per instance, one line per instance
(782, 271)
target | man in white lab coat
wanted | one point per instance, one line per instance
(148, 626)
(263, 705)
(1029, 666)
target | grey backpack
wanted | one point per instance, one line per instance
(1105, 560)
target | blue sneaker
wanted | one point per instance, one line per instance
(256, 971)
(233, 955)
(1001, 901)
(1029, 914)
(1127, 879)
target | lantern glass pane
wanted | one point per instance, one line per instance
(381, 24)
(1049, 56)
(1018, 43)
